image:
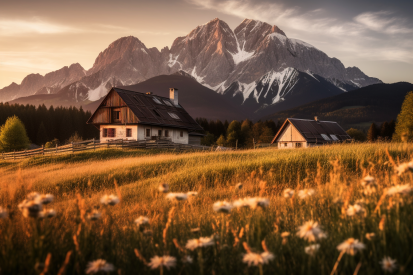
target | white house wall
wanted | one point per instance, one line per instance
(120, 132)
(290, 137)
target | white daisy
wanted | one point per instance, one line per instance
(388, 264)
(404, 167)
(312, 249)
(163, 187)
(399, 190)
(222, 207)
(177, 196)
(192, 194)
(256, 259)
(311, 231)
(201, 242)
(142, 221)
(31, 208)
(109, 200)
(94, 215)
(187, 259)
(252, 202)
(49, 213)
(355, 209)
(99, 266)
(32, 196)
(46, 199)
(288, 193)
(351, 246)
(367, 180)
(306, 193)
(238, 186)
(166, 261)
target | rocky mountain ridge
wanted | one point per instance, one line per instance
(236, 64)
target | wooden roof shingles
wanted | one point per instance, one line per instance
(313, 130)
(154, 110)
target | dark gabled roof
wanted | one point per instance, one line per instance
(147, 106)
(313, 130)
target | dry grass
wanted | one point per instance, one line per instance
(78, 184)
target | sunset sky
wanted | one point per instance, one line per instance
(42, 36)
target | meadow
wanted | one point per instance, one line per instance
(303, 205)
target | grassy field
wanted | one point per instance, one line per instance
(67, 242)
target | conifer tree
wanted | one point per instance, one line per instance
(404, 124)
(42, 136)
(373, 132)
(13, 135)
(221, 141)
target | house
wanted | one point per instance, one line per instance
(129, 115)
(302, 133)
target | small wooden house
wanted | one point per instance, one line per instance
(302, 133)
(130, 115)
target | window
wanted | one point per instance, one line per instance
(117, 114)
(105, 132)
(285, 144)
(166, 133)
(167, 102)
(160, 133)
(156, 100)
(148, 132)
(181, 134)
(156, 113)
(325, 137)
(298, 145)
(173, 115)
(111, 132)
(128, 132)
(334, 137)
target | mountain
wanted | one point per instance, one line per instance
(238, 64)
(357, 108)
(48, 84)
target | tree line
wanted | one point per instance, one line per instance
(44, 124)
(238, 133)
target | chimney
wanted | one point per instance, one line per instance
(173, 95)
(316, 118)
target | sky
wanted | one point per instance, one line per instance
(44, 35)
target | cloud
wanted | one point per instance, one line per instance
(371, 35)
(34, 26)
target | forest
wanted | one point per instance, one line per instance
(46, 124)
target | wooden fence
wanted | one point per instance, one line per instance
(92, 145)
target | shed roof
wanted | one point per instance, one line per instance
(315, 131)
(155, 110)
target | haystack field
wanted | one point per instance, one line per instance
(341, 209)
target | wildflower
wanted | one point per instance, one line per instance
(195, 230)
(142, 221)
(312, 249)
(288, 193)
(252, 202)
(222, 207)
(368, 180)
(3, 213)
(32, 196)
(369, 190)
(399, 190)
(256, 259)
(201, 242)
(32, 208)
(388, 264)
(306, 193)
(166, 261)
(163, 187)
(355, 209)
(351, 246)
(109, 200)
(177, 196)
(95, 215)
(238, 186)
(187, 259)
(99, 266)
(370, 236)
(404, 167)
(50, 213)
(311, 231)
(192, 194)
(46, 199)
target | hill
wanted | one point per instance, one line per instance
(357, 108)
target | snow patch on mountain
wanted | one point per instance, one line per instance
(97, 93)
(241, 55)
(282, 38)
(172, 61)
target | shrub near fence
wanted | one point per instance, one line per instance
(91, 145)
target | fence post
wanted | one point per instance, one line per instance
(25, 153)
(43, 150)
(236, 144)
(94, 146)
(14, 155)
(121, 144)
(72, 148)
(56, 148)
